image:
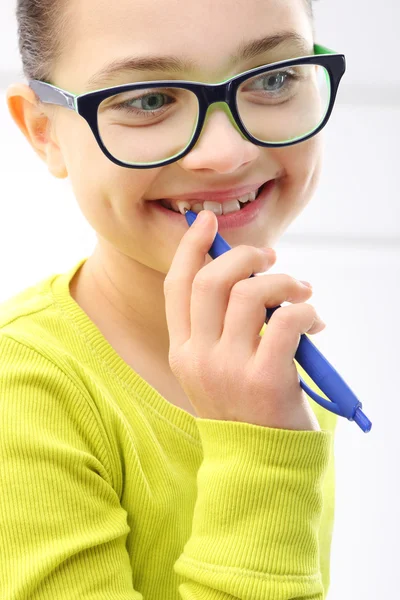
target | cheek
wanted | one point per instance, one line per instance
(302, 163)
(97, 181)
(85, 161)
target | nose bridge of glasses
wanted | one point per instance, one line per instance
(217, 98)
(225, 108)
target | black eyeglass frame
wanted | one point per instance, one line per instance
(87, 105)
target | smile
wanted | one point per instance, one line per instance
(218, 208)
(244, 211)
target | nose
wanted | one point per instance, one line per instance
(221, 147)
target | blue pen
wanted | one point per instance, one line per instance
(342, 400)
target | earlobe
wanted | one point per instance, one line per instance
(35, 124)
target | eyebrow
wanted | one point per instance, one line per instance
(175, 64)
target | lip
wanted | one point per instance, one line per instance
(232, 220)
(217, 195)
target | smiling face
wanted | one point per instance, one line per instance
(117, 201)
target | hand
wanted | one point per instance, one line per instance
(214, 316)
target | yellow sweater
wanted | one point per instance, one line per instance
(109, 492)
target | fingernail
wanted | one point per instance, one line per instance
(306, 283)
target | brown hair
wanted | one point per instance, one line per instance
(41, 25)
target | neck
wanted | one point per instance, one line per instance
(124, 298)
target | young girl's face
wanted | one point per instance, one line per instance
(119, 202)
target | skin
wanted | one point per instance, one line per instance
(136, 244)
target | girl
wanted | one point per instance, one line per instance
(155, 444)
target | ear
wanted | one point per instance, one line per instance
(34, 119)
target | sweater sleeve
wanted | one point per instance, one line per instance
(62, 528)
(257, 514)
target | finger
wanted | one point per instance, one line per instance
(212, 288)
(188, 260)
(281, 339)
(246, 313)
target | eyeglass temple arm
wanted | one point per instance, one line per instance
(318, 49)
(50, 94)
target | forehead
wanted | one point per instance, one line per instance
(205, 32)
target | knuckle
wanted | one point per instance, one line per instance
(288, 317)
(180, 361)
(283, 317)
(309, 311)
(174, 354)
(286, 281)
(174, 362)
(241, 291)
(248, 251)
(203, 284)
(294, 289)
(244, 248)
(292, 282)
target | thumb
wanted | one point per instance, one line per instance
(205, 228)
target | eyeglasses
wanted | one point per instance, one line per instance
(155, 123)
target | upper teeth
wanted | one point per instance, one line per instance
(216, 207)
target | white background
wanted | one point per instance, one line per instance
(346, 242)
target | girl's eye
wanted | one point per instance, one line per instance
(148, 104)
(276, 83)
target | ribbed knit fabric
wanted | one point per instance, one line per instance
(109, 492)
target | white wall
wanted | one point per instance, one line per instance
(346, 242)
